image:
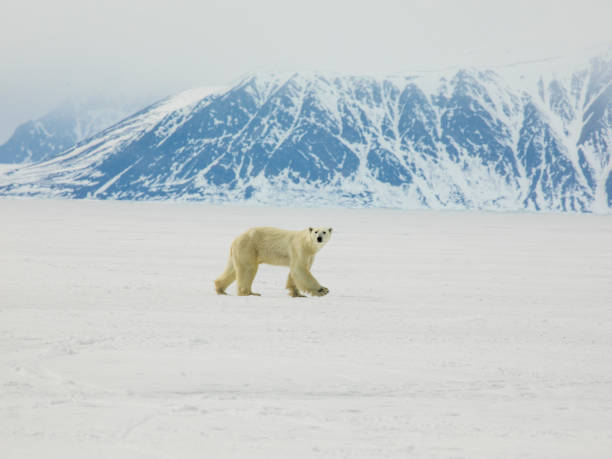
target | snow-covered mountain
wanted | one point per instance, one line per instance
(521, 137)
(72, 121)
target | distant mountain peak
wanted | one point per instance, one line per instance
(73, 120)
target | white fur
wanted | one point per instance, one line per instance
(273, 246)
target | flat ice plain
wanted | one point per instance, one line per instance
(445, 335)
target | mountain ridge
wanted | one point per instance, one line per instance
(473, 138)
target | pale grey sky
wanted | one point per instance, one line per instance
(50, 50)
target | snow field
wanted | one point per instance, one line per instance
(445, 335)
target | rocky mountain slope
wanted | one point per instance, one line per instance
(524, 137)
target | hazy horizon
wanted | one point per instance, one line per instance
(70, 48)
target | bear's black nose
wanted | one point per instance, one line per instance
(319, 239)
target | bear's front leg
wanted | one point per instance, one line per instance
(306, 281)
(293, 290)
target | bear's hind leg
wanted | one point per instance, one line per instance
(245, 276)
(225, 279)
(293, 290)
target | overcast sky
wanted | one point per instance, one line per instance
(50, 50)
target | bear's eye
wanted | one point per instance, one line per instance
(324, 232)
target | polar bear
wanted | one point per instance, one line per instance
(279, 247)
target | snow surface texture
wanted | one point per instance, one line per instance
(533, 136)
(445, 335)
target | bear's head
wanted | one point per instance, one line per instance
(320, 236)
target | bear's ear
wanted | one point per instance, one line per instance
(330, 230)
(310, 229)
